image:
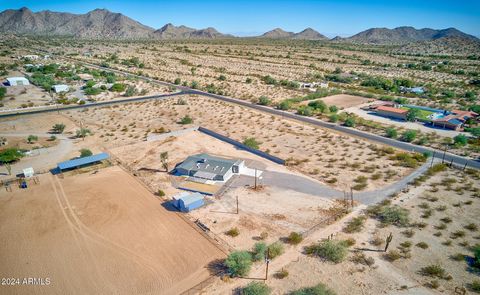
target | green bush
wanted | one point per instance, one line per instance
(274, 250)
(259, 250)
(186, 120)
(409, 135)
(392, 132)
(433, 271)
(256, 288)
(3, 91)
(460, 140)
(475, 286)
(239, 263)
(85, 153)
(10, 155)
(319, 289)
(264, 101)
(394, 215)
(233, 232)
(331, 250)
(251, 142)
(350, 122)
(295, 238)
(334, 118)
(305, 111)
(355, 225)
(118, 87)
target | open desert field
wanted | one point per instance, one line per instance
(344, 101)
(98, 233)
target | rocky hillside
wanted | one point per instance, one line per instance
(98, 23)
(443, 46)
(307, 34)
(403, 35)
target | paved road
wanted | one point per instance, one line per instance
(448, 157)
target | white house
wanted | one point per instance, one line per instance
(30, 57)
(60, 88)
(17, 81)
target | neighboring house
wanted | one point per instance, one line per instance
(60, 88)
(17, 81)
(455, 120)
(205, 166)
(30, 57)
(313, 85)
(187, 201)
(416, 90)
(391, 112)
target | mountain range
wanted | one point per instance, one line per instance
(101, 23)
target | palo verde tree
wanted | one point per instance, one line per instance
(83, 132)
(58, 128)
(164, 160)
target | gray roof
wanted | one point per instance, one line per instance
(208, 163)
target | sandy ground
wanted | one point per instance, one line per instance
(344, 101)
(98, 233)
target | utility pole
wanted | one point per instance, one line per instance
(433, 157)
(267, 261)
(237, 204)
(444, 152)
(255, 178)
(465, 167)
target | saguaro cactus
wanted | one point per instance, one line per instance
(387, 241)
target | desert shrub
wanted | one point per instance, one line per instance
(274, 250)
(295, 238)
(85, 153)
(186, 120)
(263, 235)
(390, 215)
(471, 227)
(118, 87)
(160, 193)
(355, 225)
(409, 135)
(361, 258)
(333, 118)
(392, 255)
(433, 270)
(256, 288)
(391, 132)
(422, 245)
(239, 263)
(334, 251)
(319, 289)
(233, 232)
(259, 250)
(433, 284)
(457, 234)
(408, 233)
(281, 274)
(251, 142)
(350, 122)
(457, 257)
(475, 286)
(264, 101)
(476, 255)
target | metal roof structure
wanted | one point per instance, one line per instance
(82, 161)
(60, 88)
(208, 165)
(13, 81)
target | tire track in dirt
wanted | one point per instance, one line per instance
(74, 230)
(117, 248)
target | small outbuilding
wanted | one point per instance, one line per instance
(187, 201)
(17, 81)
(60, 88)
(28, 172)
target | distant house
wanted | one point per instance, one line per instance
(313, 85)
(205, 166)
(17, 81)
(416, 90)
(391, 112)
(187, 201)
(455, 120)
(30, 57)
(60, 88)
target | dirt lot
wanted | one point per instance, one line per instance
(100, 233)
(343, 101)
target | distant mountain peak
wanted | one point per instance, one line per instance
(306, 34)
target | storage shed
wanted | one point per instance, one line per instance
(81, 162)
(17, 81)
(60, 88)
(187, 202)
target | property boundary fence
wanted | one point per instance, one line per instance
(242, 146)
(202, 285)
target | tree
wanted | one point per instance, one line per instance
(118, 87)
(131, 90)
(251, 142)
(334, 118)
(305, 111)
(412, 115)
(83, 132)
(392, 132)
(85, 153)
(10, 155)
(164, 160)
(177, 81)
(318, 105)
(9, 168)
(284, 105)
(32, 138)
(333, 109)
(264, 101)
(409, 135)
(194, 85)
(350, 122)
(239, 263)
(186, 120)
(460, 140)
(58, 128)
(256, 288)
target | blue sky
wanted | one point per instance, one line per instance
(341, 17)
